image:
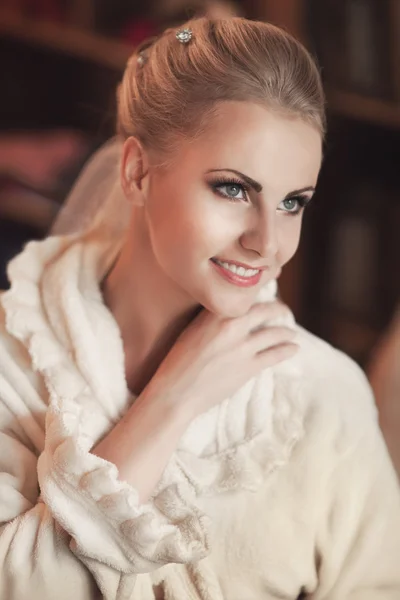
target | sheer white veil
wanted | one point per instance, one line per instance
(96, 197)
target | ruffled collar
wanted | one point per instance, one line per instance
(55, 308)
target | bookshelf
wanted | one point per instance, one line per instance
(291, 15)
(88, 45)
(362, 108)
(73, 41)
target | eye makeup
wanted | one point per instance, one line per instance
(238, 188)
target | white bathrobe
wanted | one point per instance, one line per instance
(282, 490)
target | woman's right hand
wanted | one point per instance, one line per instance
(215, 356)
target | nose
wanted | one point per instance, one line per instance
(262, 236)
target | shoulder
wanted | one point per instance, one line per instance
(327, 363)
(339, 396)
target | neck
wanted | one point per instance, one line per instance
(150, 310)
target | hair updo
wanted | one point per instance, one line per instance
(169, 89)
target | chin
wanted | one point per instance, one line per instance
(236, 303)
(230, 307)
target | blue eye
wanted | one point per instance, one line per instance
(232, 190)
(294, 205)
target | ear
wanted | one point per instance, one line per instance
(134, 171)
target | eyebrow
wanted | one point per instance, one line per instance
(258, 187)
(250, 182)
(309, 188)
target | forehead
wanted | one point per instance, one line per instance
(279, 151)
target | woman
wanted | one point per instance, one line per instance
(167, 429)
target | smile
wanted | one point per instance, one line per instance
(237, 274)
(241, 271)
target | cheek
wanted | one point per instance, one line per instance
(289, 238)
(190, 231)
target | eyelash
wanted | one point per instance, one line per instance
(301, 200)
(231, 181)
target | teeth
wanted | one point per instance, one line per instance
(241, 271)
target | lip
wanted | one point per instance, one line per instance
(236, 279)
(240, 264)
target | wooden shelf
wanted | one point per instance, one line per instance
(75, 42)
(114, 54)
(363, 108)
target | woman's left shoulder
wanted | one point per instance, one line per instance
(336, 383)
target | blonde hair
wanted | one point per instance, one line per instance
(170, 89)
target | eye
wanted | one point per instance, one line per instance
(232, 190)
(293, 205)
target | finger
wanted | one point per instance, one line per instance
(275, 355)
(261, 313)
(267, 337)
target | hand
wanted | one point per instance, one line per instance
(214, 357)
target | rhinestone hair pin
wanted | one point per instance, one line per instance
(184, 35)
(142, 58)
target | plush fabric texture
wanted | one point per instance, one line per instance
(284, 488)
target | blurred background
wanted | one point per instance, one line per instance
(60, 63)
